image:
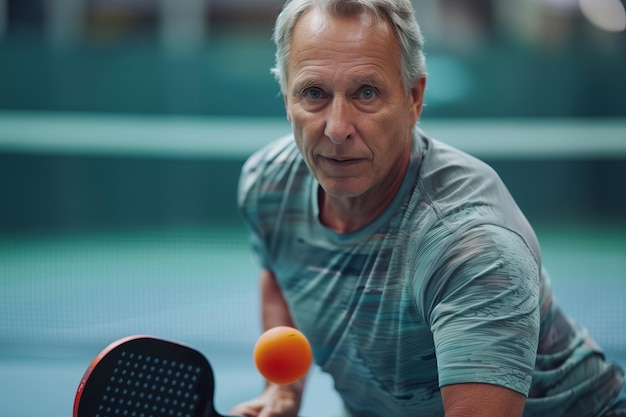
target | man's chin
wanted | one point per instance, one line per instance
(343, 187)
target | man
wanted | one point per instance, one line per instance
(406, 262)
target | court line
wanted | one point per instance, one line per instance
(238, 137)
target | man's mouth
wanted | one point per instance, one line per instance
(341, 159)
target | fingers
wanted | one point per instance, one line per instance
(247, 409)
(252, 409)
(275, 401)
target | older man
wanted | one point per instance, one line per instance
(406, 262)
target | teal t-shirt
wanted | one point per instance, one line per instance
(445, 287)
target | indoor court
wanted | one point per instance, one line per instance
(124, 125)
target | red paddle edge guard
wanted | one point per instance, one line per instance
(95, 361)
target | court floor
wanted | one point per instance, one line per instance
(63, 297)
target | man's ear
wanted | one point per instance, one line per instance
(286, 102)
(417, 97)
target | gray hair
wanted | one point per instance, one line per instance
(399, 13)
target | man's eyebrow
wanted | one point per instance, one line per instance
(366, 80)
(300, 86)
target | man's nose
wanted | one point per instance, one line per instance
(339, 122)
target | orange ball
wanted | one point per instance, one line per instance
(282, 355)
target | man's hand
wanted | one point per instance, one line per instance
(275, 401)
(484, 400)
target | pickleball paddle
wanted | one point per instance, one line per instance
(143, 376)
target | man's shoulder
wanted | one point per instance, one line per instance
(278, 151)
(267, 171)
(464, 192)
(444, 155)
(451, 178)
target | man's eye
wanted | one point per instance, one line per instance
(367, 93)
(313, 93)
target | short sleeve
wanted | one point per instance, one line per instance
(485, 317)
(247, 203)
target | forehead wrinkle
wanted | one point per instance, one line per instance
(323, 51)
(353, 66)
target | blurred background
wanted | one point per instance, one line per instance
(124, 123)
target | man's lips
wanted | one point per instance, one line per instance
(341, 163)
(341, 159)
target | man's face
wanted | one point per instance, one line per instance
(351, 114)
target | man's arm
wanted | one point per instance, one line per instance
(276, 399)
(274, 309)
(486, 323)
(484, 400)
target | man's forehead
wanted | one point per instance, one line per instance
(318, 20)
(358, 48)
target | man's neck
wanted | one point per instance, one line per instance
(349, 214)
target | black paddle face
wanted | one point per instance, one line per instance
(147, 377)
